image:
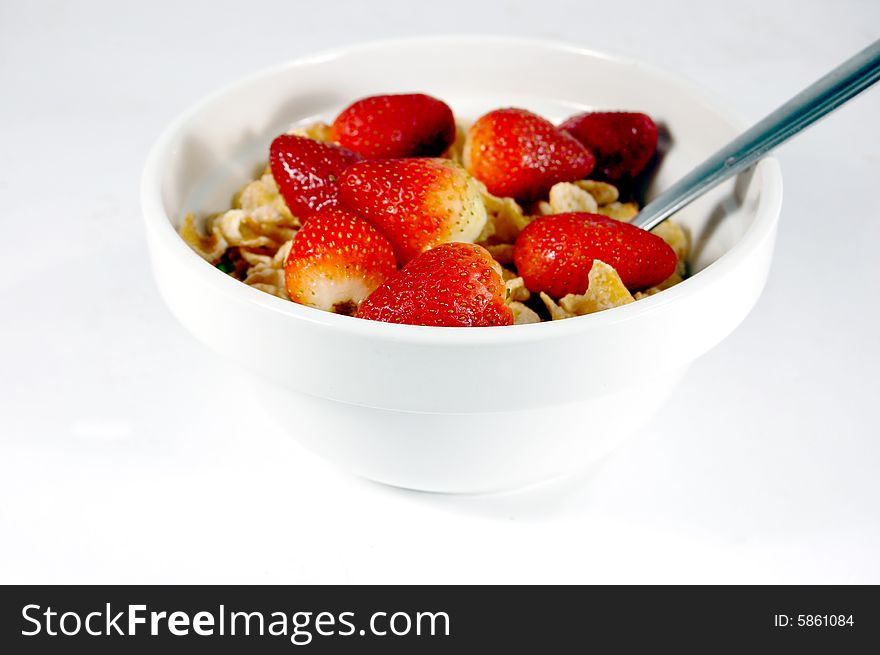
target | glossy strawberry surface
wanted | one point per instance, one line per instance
(622, 142)
(400, 125)
(416, 203)
(453, 285)
(519, 154)
(554, 253)
(306, 172)
(336, 260)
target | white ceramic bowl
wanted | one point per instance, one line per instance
(446, 409)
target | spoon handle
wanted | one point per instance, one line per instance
(820, 98)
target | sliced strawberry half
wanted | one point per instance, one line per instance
(453, 285)
(336, 260)
(400, 125)
(416, 203)
(306, 172)
(622, 142)
(519, 154)
(554, 253)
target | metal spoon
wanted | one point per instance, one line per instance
(820, 98)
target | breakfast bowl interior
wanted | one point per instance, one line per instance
(459, 409)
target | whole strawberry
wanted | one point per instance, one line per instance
(623, 142)
(554, 253)
(306, 172)
(336, 260)
(416, 203)
(404, 125)
(519, 154)
(453, 285)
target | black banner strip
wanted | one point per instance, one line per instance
(516, 619)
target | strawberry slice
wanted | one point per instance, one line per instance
(623, 142)
(554, 253)
(416, 203)
(453, 285)
(306, 172)
(518, 154)
(336, 260)
(404, 125)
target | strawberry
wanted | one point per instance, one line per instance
(405, 125)
(453, 285)
(623, 142)
(336, 260)
(415, 203)
(519, 154)
(554, 253)
(306, 171)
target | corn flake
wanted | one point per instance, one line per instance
(523, 315)
(209, 247)
(606, 290)
(318, 131)
(568, 197)
(505, 219)
(602, 192)
(677, 238)
(542, 208)
(619, 211)
(516, 290)
(263, 195)
(557, 313)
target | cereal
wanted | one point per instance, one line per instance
(255, 258)
(506, 219)
(602, 192)
(261, 228)
(516, 290)
(606, 290)
(523, 315)
(252, 239)
(671, 281)
(543, 208)
(568, 197)
(281, 255)
(675, 235)
(318, 131)
(210, 247)
(263, 193)
(590, 196)
(619, 211)
(557, 313)
(268, 279)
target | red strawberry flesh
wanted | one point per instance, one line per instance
(306, 172)
(336, 260)
(623, 142)
(416, 203)
(554, 253)
(401, 125)
(519, 154)
(453, 285)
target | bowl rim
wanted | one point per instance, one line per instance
(161, 226)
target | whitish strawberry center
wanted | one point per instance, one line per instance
(341, 296)
(464, 209)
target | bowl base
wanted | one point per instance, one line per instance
(464, 453)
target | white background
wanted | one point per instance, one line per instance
(128, 453)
